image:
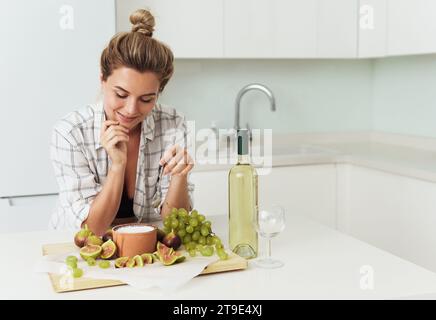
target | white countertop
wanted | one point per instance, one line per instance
(320, 263)
(398, 154)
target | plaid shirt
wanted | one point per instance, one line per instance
(81, 163)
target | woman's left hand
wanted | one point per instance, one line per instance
(177, 161)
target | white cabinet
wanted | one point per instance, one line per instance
(392, 212)
(305, 190)
(270, 28)
(411, 27)
(336, 29)
(290, 28)
(22, 214)
(372, 28)
(192, 28)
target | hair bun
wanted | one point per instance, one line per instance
(143, 22)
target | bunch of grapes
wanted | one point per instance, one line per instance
(195, 232)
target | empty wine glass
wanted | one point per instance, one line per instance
(269, 222)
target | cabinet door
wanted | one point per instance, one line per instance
(192, 28)
(394, 213)
(23, 214)
(411, 27)
(270, 28)
(372, 28)
(305, 190)
(377, 205)
(337, 28)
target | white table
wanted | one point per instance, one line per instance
(320, 263)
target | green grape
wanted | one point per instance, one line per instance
(91, 262)
(183, 211)
(202, 240)
(209, 240)
(173, 215)
(197, 228)
(216, 240)
(194, 213)
(174, 223)
(167, 223)
(207, 251)
(193, 222)
(201, 217)
(72, 264)
(207, 223)
(190, 245)
(77, 272)
(189, 229)
(166, 230)
(222, 254)
(104, 264)
(181, 233)
(192, 252)
(204, 231)
(196, 236)
(198, 247)
(181, 222)
(71, 259)
(219, 246)
(187, 238)
(174, 210)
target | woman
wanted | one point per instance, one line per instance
(107, 156)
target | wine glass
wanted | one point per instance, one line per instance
(269, 222)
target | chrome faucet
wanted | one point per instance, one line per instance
(252, 86)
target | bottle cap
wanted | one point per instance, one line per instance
(242, 141)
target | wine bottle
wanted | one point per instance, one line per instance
(243, 205)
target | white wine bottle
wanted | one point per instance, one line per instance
(243, 204)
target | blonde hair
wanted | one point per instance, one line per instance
(138, 50)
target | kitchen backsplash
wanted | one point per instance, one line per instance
(395, 95)
(404, 99)
(311, 95)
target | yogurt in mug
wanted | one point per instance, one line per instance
(134, 229)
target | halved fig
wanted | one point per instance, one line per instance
(109, 250)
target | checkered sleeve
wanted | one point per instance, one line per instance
(77, 183)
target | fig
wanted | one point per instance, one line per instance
(163, 250)
(168, 259)
(81, 236)
(172, 240)
(138, 261)
(121, 262)
(147, 258)
(180, 257)
(108, 235)
(160, 234)
(93, 239)
(130, 263)
(108, 250)
(90, 251)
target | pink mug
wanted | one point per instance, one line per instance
(131, 243)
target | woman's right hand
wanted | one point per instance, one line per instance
(114, 139)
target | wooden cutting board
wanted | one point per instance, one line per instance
(61, 284)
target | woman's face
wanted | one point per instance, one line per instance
(129, 96)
